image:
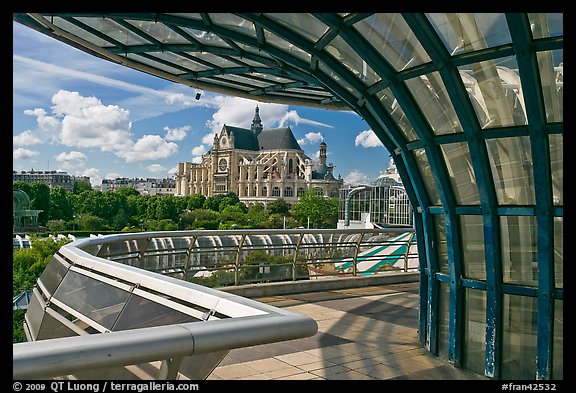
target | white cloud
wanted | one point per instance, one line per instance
(156, 168)
(294, 117)
(26, 138)
(199, 150)
(176, 134)
(149, 147)
(356, 178)
(311, 138)
(74, 156)
(197, 160)
(89, 124)
(94, 175)
(23, 154)
(368, 139)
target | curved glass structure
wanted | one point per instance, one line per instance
(469, 104)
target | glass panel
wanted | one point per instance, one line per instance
(51, 328)
(140, 312)
(430, 94)
(558, 252)
(551, 66)
(519, 337)
(556, 143)
(159, 31)
(427, 178)
(103, 25)
(390, 35)
(511, 163)
(462, 177)
(519, 253)
(154, 64)
(474, 339)
(180, 61)
(205, 37)
(328, 71)
(558, 343)
(443, 319)
(495, 92)
(442, 246)
(467, 32)
(345, 55)
(391, 105)
(305, 24)
(52, 275)
(546, 25)
(286, 46)
(474, 259)
(34, 315)
(98, 301)
(233, 22)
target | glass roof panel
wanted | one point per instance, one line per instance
(430, 94)
(390, 35)
(467, 32)
(427, 178)
(155, 64)
(205, 37)
(551, 66)
(188, 15)
(511, 164)
(519, 250)
(159, 31)
(180, 60)
(340, 50)
(546, 25)
(328, 71)
(559, 252)
(286, 46)
(218, 61)
(235, 78)
(391, 105)
(556, 144)
(496, 92)
(235, 23)
(461, 171)
(106, 26)
(304, 24)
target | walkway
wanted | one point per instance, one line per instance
(367, 333)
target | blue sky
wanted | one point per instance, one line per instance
(76, 113)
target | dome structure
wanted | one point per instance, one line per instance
(469, 104)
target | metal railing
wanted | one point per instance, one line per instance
(234, 257)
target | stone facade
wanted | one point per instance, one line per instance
(258, 165)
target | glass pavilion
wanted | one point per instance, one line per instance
(469, 104)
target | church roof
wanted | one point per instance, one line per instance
(272, 139)
(278, 138)
(243, 138)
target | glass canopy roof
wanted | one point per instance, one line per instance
(470, 105)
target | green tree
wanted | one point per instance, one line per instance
(80, 186)
(60, 204)
(279, 206)
(322, 212)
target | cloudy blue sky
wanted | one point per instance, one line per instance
(76, 113)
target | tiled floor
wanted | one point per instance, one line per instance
(367, 333)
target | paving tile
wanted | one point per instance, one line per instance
(234, 371)
(298, 358)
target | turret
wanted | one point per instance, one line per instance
(256, 122)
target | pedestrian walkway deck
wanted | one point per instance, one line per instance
(367, 333)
